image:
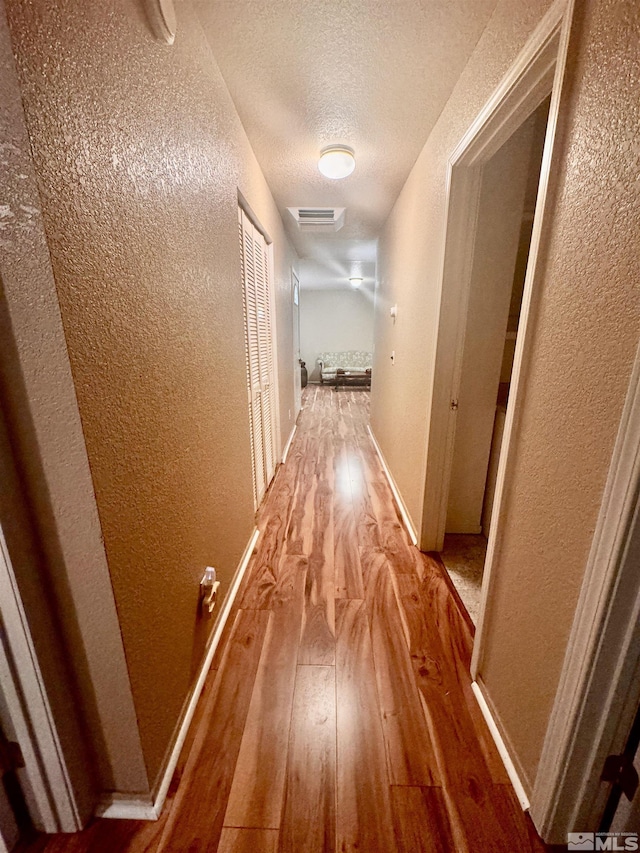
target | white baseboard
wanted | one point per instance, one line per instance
(124, 807)
(288, 444)
(500, 745)
(396, 494)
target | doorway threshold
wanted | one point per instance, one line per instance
(463, 556)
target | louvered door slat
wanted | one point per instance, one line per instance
(252, 357)
(266, 354)
(259, 353)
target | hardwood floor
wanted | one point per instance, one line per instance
(338, 715)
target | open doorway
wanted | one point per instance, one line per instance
(336, 334)
(504, 225)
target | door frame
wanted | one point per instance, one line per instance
(537, 72)
(599, 687)
(45, 779)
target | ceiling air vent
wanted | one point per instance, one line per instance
(318, 218)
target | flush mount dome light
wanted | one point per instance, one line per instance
(355, 281)
(336, 161)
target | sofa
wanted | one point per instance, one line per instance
(333, 365)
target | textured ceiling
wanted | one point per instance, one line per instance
(366, 73)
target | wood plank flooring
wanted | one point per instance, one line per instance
(338, 715)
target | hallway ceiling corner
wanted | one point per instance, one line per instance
(370, 74)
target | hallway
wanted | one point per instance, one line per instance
(338, 714)
(136, 411)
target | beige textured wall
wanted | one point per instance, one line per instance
(140, 154)
(584, 340)
(48, 450)
(332, 321)
(410, 252)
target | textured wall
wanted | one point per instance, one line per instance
(584, 340)
(49, 452)
(140, 155)
(410, 252)
(334, 320)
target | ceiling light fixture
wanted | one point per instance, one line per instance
(356, 282)
(336, 161)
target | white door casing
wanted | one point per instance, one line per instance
(27, 717)
(538, 70)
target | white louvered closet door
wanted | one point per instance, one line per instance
(259, 339)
